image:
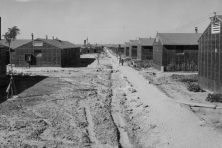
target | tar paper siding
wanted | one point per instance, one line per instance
(121, 50)
(157, 54)
(133, 52)
(70, 55)
(145, 52)
(2, 61)
(164, 54)
(126, 51)
(51, 55)
(170, 53)
(210, 61)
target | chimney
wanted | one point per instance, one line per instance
(32, 36)
(196, 30)
(46, 37)
(56, 38)
(0, 28)
(53, 37)
(150, 37)
(84, 42)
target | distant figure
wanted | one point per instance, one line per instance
(98, 58)
(122, 61)
(119, 60)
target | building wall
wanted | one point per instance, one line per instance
(210, 61)
(124, 51)
(130, 51)
(70, 57)
(139, 52)
(121, 50)
(51, 56)
(145, 52)
(2, 61)
(163, 55)
(87, 50)
(133, 52)
(157, 54)
(170, 52)
(127, 51)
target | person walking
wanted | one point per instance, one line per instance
(119, 60)
(122, 61)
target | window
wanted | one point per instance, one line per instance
(27, 57)
(215, 27)
(38, 53)
(179, 50)
(37, 43)
(157, 39)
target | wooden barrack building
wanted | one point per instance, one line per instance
(145, 49)
(2, 59)
(46, 53)
(133, 49)
(210, 56)
(176, 51)
(126, 49)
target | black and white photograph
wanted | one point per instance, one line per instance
(110, 73)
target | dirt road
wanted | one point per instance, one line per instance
(98, 106)
(165, 123)
(67, 107)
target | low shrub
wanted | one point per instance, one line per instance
(194, 88)
(184, 66)
(214, 97)
(143, 63)
(191, 78)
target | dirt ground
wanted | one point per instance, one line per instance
(97, 106)
(175, 86)
(162, 116)
(67, 107)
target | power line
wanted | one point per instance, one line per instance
(190, 24)
(201, 19)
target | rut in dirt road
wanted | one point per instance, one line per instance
(72, 110)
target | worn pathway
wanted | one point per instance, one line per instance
(171, 125)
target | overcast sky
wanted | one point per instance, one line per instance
(104, 21)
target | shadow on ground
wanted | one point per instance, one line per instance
(84, 62)
(21, 82)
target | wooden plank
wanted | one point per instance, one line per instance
(193, 104)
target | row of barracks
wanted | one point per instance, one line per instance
(203, 50)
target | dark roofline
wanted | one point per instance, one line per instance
(133, 41)
(148, 39)
(178, 33)
(60, 41)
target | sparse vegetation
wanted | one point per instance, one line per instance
(194, 88)
(143, 63)
(185, 66)
(185, 78)
(214, 97)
